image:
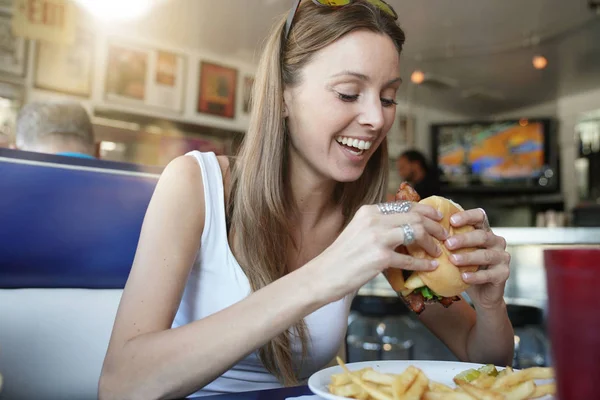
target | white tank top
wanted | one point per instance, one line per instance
(217, 281)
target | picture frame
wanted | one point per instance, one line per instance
(247, 93)
(217, 90)
(146, 77)
(13, 49)
(126, 73)
(66, 69)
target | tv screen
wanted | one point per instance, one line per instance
(495, 155)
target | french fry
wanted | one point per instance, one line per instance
(348, 390)
(521, 391)
(344, 379)
(369, 388)
(439, 387)
(478, 393)
(377, 377)
(523, 375)
(403, 382)
(413, 384)
(418, 387)
(484, 381)
(543, 390)
(447, 396)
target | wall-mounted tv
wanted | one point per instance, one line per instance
(496, 156)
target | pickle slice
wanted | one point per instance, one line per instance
(468, 375)
(489, 369)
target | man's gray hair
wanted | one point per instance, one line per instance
(39, 120)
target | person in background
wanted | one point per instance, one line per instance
(55, 127)
(246, 268)
(5, 141)
(414, 168)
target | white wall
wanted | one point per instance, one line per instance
(568, 110)
(129, 36)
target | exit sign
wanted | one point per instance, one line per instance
(49, 20)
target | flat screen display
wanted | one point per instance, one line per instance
(493, 154)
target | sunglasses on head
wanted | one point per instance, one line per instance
(382, 5)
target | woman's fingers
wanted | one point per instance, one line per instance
(424, 230)
(415, 208)
(476, 238)
(407, 262)
(480, 257)
(497, 275)
(474, 217)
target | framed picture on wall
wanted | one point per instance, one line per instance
(126, 73)
(66, 68)
(217, 90)
(146, 77)
(247, 93)
(13, 49)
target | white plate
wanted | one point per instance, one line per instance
(438, 371)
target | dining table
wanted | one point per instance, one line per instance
(269, 394)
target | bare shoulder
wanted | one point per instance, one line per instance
(168, 244)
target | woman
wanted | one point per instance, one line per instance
(245, 272)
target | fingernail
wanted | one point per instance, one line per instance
(440, 215)
(434, 264)
(457, 257)
(451, 242)
(439, 252)
(466, 276)
(455, 219)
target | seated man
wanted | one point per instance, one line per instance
(62, 128)
(414, 168)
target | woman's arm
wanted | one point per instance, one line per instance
(483, 336)
(146, 359)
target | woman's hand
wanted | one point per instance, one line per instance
(367, 246)
(488, 283)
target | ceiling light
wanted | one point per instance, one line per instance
(539, 62)
(117, 10)
(417, 77)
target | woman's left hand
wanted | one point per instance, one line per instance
(487, 284)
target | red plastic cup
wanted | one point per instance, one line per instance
(573, 281)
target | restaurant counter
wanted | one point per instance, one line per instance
(527, 282)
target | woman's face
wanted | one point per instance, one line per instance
(344, 105)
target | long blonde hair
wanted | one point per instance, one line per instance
(260, 204)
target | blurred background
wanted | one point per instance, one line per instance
(502, 97)
(500, 109)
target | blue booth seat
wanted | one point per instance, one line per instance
(69, 222)
(69, 228)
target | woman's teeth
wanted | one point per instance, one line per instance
(356, 143)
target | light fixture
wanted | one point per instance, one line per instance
(117, 10)
(417, 77)
(539, 62)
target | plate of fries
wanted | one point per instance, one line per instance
(430, 380)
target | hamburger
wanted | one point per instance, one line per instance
(444, 284)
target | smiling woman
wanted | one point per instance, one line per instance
(246, 267)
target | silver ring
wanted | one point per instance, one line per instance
(394, 207)
(409, 234)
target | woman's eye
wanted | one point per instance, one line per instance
(347, 97)
(388, 102)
